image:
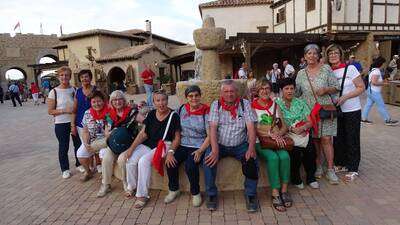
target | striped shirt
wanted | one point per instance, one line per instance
(232, 132)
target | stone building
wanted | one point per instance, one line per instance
(262, 32)
(117, 57)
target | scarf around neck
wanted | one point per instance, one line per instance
(231, 108)
(99, 115)
(202, 110)
(114, 115)
(268, 103)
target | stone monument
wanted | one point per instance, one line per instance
(208, 39)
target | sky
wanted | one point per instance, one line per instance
(175, 19)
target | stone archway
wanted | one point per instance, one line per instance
(13, 73)
(116, 78)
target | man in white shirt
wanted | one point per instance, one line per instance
(289, 69)
(393, 66)
(242, 74)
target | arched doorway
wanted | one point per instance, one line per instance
(116, 77)
(48, 59)
(16, 73)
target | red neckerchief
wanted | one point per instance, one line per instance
(231, 108)
(157, 160)
(341, 65)
(101, 115)
(115, 118)
(268, 103)
(314, 116)
(202, 110)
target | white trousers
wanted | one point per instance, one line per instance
(138, 169)
(35, 97)
(108, 166)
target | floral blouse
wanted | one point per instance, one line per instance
(298, 111)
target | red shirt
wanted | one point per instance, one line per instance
(34, 89)
(147, 76)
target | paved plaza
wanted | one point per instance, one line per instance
(33, 192)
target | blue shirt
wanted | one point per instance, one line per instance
(357, 65)
(193, 129)
(46, 84)
(83, 105)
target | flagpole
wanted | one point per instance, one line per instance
(20, 31)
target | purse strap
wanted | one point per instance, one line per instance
(168, 124)
(273, 117)
(343, 79)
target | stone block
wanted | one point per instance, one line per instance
(209, 38)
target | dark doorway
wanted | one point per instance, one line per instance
(116, 79)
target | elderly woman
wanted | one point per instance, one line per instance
(347, 142)
(273, 77)
(278, 162)
(315, 84)
(120, 115)
(194, 141)
(60, 105)
(160, 136)
(93, 123)
(296, 114)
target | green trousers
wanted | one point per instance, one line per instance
(278, 165)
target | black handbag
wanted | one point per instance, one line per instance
(121, 138)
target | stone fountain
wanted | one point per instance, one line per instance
(208, 40)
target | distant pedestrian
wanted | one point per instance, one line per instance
(1, 94)
(148, 75)
(273, 77)
(14, 94)
(289, 71)
(35, 93)
(303, 63)
(354, 62)
(243, 71)
(251, 86)
(392, 67)
(46, 89)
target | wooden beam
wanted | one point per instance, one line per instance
(371, 11)
(329, 22)
(294, 16)
(359, 12)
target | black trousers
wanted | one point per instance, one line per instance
(63, 131)
(15, 96)
(305, 156)
(347, 141)
(184, 154)
(1, 99)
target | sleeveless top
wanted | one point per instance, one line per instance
(83, 105)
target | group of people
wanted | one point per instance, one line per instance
(105, 132)
(19, 92)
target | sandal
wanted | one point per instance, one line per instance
(277, 203)
(287, 200)
(350, 176)
(128, 194)
(140, 203)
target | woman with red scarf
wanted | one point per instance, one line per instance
(93, 129)
(194, 142)
(278, 162)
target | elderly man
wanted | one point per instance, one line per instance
(232, 133)
(393, 67)
(289, 70)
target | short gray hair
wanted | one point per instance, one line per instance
(229, 82)
(118, 94)
(312, 46)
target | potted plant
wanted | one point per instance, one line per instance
(166, 83)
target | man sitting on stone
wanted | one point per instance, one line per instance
(232, 133)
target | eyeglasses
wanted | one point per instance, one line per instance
(333, 53)
(193, 95)
(118, 99)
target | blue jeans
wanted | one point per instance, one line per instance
(184, 154)
(375, 97)
(63, 132)
(149, 94)
(210, 173)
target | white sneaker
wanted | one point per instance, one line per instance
(81, 169)
(300, 186)
(66, 174)
(196, 200)
(319, 172)
(331, 176)
(171, 196)
(314, 185)
(98, 167)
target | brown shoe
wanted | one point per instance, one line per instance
(86, 176)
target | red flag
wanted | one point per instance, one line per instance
(16, 26)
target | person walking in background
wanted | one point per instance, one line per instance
(303, 63)
(289, 71)
(251, 86)
(46, 89)
(393, 67)
(14, 94)
(35, 93)
(1, 94)
(273, 77)
(147, 76)
(374, 94)
(243, 71)
(347, 143)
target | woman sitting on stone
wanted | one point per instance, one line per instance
(120, 115)
(296, 113)
(159, 136)
(93, 123)
(278, 162)
(194, 141)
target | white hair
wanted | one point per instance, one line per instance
(229, 82)
(118, 94)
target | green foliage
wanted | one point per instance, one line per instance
(165, 79)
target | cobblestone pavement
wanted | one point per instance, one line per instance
(33, 192)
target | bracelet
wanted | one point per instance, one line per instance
(171, 151)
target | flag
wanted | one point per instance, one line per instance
(17, 25)
(61, 32)
(41, 28)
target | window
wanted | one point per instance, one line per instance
(310, 5)
(281, 16)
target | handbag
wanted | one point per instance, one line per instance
(269, 143)
(298, 140)
(328, 111)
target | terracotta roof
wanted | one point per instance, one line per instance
(133, 52)
(140, 32)
(94, 32)
(233, 3)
